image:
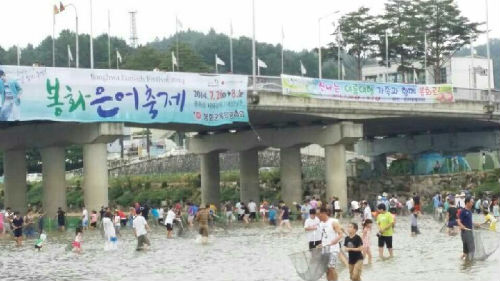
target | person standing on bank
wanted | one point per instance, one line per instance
(385, 223)
(311, 226)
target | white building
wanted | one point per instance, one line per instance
(462, 72)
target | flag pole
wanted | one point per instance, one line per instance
(216, 70)
(339, 66)
(18, 56)
(386, 56)
(231, 46)
(54, 38)
(176, 41)
(91, 39)
(488, 54)
(254, 80)
(282, 50)
(109, 40)
(425, 57)
(117, 66)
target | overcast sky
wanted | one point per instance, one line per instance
(29, 21)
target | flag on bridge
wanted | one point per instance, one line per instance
(261, 64)
(118, 57)
(174, 59)
(303, 70)
(218, 61)
(178, 23)
(70, 55)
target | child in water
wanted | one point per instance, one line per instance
(414, 226)
(490, 221)
(272, 216)
(354, 246)
(39, 242)
(77, 243)
(367, 231)
(93, 219)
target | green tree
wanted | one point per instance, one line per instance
(357, 29)
(400, 21)
(447, 31)
(189, 60)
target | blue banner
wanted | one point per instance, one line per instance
(101, 95)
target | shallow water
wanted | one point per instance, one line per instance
(239, 253)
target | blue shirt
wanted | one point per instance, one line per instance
(436, 201)
(272, 214)
(466, 218)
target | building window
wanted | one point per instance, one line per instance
(371, 78)
(442, 73)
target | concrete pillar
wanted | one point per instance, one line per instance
(95, 176)
(291, 175)
(14, 169)
(54, 179)
(336, 178)
(210, 178)
(249, 176)
(379, 164)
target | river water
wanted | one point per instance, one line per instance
(257, 252)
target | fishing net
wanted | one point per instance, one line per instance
(312, 264)
(486, 242)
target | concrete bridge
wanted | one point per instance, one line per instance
(276, 120)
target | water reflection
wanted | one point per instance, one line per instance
(239, 253)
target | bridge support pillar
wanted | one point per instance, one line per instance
(95, 176)
(249, 176)
(291, 175)
(335, 172)
(210, 178)
(14, 169)
(54, 180)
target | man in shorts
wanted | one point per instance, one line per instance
(141, 228)
(465, 224)
(331, 235)
(385, 223)
(202, 217)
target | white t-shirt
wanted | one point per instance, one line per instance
(109, 228)
(336, 205)
(328, 234)
(313, 235)
(252, 207)
(139, 225)
(354, 205)
(367, 213)
(85, 214)
(170, 217)
(117, 220)
(409, 204)
(161, 213)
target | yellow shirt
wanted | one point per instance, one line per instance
(492, 221)
(383, 221)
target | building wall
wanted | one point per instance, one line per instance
(462, 75)
(458, 73)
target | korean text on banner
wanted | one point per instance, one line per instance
(366, 91)
(100, 95)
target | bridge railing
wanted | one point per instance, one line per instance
(272, 84)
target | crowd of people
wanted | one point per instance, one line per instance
(321, 221)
